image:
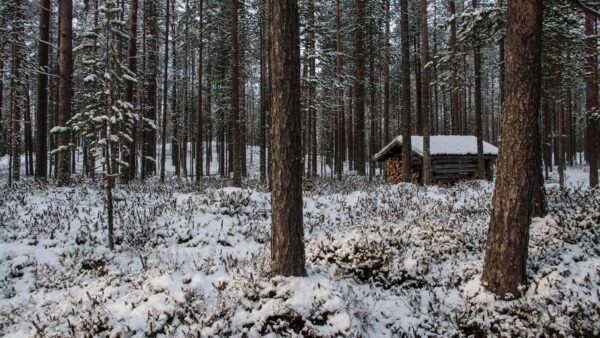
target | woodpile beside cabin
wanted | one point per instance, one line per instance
(453, 158)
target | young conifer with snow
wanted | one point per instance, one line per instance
(107, 120)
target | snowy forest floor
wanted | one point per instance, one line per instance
(382, 260)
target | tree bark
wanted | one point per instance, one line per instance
(287, 245)
(312, 88)
(339, 94)
(15, 105)
(516, 184)
(41, 112)
(406, 137)
(199, 122)
(235, 97)
(65, 66)
(478, 107)
(163, 153)
(28, 132)
(454, 90)
(359, 92)
(151, 83)
(263, 93)
(426, 94)
(591, 101)
(130, 171)
(386, 75)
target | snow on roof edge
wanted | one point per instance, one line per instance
(442, 145)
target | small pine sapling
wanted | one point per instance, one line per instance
(106, 121)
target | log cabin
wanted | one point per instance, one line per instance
(453, 158)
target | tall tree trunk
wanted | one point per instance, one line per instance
(130, 91)
(287, 245)
(508, 235)
(386, 75)
(359, 91)
(426, 94)
(501, 59)
(372, 103)
(406, 138)
(15, 104)
(560, 124)
(208, 116)
(591, 101)
(199, 122)
(351, 163)
(478, 107)
(418, 89)
(263, 93)
(339, 93)
(454, 90)
(151, 74)
(312, 111)
(163, 153)
(65, 66)
(235, 97)
(242, 132)
(547, 135)
(41, 112)
(176, 134)
(28, 131)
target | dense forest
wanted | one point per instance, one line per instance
(338, 168)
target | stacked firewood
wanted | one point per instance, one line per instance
(393, 170)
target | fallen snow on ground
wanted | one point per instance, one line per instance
(193, 260)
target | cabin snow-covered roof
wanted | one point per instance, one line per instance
(441, 145)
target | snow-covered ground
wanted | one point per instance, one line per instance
(193, 260)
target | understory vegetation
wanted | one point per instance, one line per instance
(194, 259)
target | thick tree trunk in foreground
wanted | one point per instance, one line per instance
(591, 101)
(508, 236)
(41, 112)
(406, 139)
(287, 245)
(65, 69)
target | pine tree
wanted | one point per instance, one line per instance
(41, 115)
(107, 120)
(130, 170)
(406, 135)
(508, 235)
(65, 91)
(426, 93)
(591, 101)
(287, 244)
(15, 92)
(359, 90)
